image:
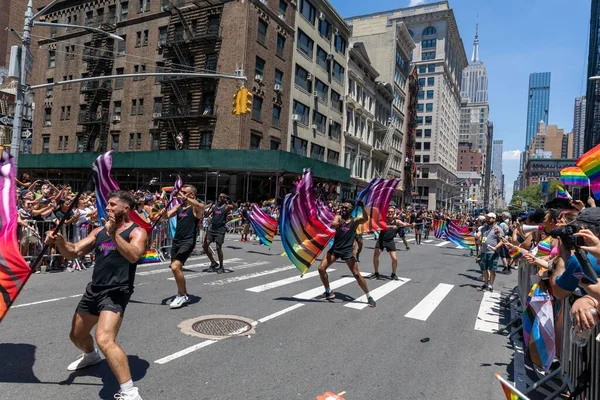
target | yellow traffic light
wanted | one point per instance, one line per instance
(246, 101)
(237, 102)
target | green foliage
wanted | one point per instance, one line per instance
(532, 195)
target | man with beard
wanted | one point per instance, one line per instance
(118, 246)
(490, 235)
(216, 231)
(343, 247)
(386, 241)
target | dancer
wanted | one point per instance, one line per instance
(359, 242)
(402, 231)
(118, 245)
(417, 221)
(386, 241)
(188, 213)
(216, 232)
(343, 241)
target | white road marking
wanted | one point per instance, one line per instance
(427, 241)
(459, 247)
(237, 268)
(411, 240)
(311, 294)
(206, 264)
(487, 319)
(249, 276)
(423, 310)
(165, 263)
(279, 313)
(378, 293)
(283, 282)
(441, 244)
(47, 301)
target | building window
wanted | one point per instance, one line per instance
(421, 95)
(60, 143)
(336, 101)
(46, 144)
(114, 142)
(302, 111)
(335, 131)
(428, 55)
(322, 59)
(205, 140)
(322, 91)
(138, 39)
(307, 10)
(431, 68)
(429, 107)
(276, 116)
(255, 141)
(319, 122)
(419, 120)
(282, 9)
(427, 146)
(325, 28)
(68, 113)
(429, 94)
(317, 152)
(157, 109)
(119, 81)
(305, 44)
(122, 45)
(333, 157)
(155, 145)
(299, 146)
(421, 82)
(419, 132)
(420, 107)
(117, 109)
(417, 159)
(301, 79)
(49, 89)
(51, 58)
(124, 10)
(261, 36)
(145, 38)
(66, 144)
(112, 15)
(338, 72)
(275, 143)
(431, 81)
(427, 133)
(429, 31)
(140, 110)
(426, 44)
(280, 45)
(162, 35)
(48, 116)
(426, 158)
(340, 44)
(131, 141)
(418, 146)
(210, 64)
(53, 30)
(256, 108)
(278, 77)
(425, 173)
(259, 67)
(422, 69)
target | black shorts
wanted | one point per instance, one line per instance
(182, 251)
(113, 299)
(344, 255)
(388, 245)
(401, 232)
(217, 237)
(359, 238)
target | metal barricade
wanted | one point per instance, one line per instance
(161, 239)
(31, 238)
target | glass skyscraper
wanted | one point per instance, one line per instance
(592, 112)
(538, 103)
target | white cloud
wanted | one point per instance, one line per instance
(416, 3)
(511, 155)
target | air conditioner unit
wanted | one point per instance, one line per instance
(315, 93)
(156, 115)
(309, 77)
(314, 127)
(116, 118)
(282, 17)
(48, 95)
(331, 121)
(165, 8)
(330, 57)
(258, 78)
(295, 117)
(278, 88)
(321, 16)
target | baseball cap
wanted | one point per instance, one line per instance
(481, 217)
(589, 215)
(491, 215)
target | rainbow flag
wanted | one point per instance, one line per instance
(14, 270)
(264, 226)
(544, 247)
(149, 257)
(509, 390)
(515, 253)
(376, 197)
(173, 201)
(460, 236)
(439, 227)
(233, 221)
(573, 176)
(303, 235)
(590, 165)
(561, 193)
(271, 201)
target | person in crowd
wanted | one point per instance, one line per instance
(490, 236)
(358, 242)
(386, 241)
(245, 222)
(403, 217)
(216, 231)
(505, 224)
(417, 221)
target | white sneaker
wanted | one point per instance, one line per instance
(179, 301)
(133, 394)
(85, 361)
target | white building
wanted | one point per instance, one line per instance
(474, 77)
(579, 127)
(470, 191)
(497, 150)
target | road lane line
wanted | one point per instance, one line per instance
(377, 294)
(423, 310)
(249, 276)
(411, 240)
(487, 319)
(47, 301)
(283, 282)
(237, 268)
(279, 313)
(427, 241)
(163, 270)
(441, 244)
(311, 294)
(165, 263)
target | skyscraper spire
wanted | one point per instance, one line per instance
(475, 56)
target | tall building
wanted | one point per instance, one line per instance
(474, 85)
(547, 142)
(592, 95)
(579, 127)
(538, 103)
(469, 160)
(440, 57)
(497, 150)
(568, 146)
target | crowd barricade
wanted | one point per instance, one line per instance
(161, 239)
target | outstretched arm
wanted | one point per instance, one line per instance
(73, 250)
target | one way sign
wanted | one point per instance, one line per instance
(7, 120)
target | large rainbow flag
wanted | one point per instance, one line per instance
(590, 165)
(264, 226)
(460, 236)
(376, 198)
(573, 176)
(439, 227)
(14, 270)
(303, 235)
(509, 390)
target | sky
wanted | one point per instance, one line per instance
(516, 38)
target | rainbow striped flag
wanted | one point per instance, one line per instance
(573, 176)
(232, 221)
(271, 201)
(173, 201)
(149, 257)
(14, 271)
(515, 253)
(590, 165)
(376, 198)
(509, 390)
(460, 236)
(439, 227)
(561, 193)
(264, 226)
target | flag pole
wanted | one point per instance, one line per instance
(510, 386)
(175, 193)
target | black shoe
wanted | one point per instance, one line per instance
(213, 267)
(372, 302)
(484, 286)
(357, 259)
(407, 248)
(220, 270)
(375, 275)
(394, 277)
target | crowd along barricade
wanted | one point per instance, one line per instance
(161, 239)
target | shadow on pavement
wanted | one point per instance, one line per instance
(17, 361)
(262, 253)
(192, 300)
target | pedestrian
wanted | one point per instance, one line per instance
(491, 241)
(118, 245)
(216, 232)
(386, 241)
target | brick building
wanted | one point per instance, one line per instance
(469, 160)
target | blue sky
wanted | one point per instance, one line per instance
(516, 38)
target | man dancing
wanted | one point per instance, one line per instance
(216, 232)
(117, 245)
(386, 241)
(188, 213)
(342, 247)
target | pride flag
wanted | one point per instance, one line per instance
(439, 227)
(303, 235)
(149, 257)
(376, 198)
(509, 390)
(173, 201)
(539, 336)
(561, 193)
(515, 253)
(573, 176)
(590, 165)
(264, 226)
(460, 236)
(14, 270)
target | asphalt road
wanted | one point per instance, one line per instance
(430, 336)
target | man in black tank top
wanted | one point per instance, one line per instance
(189, 213)
(216, 231)
(118, 245)
(386, 241)
(343, 247)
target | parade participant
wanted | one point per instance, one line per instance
(118, 246)
(491, 241)
(359, 242)
(386, 241)
(189, 213)
(417, 221)
(342, 247)
(216, 231)
(245, 222)
(402, 231)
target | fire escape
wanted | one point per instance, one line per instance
(188, 116)
(94, 117)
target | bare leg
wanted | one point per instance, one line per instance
(177, 269)
(492, 277)
(208, 251)
(404, 241)
(353, 265)
(486, 276)
(376, 260)
(394, 257)
(359, 246)
(106, 335)
(220, 253)
(325, 263)
(80, 331)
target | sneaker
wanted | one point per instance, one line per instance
(394, 277)
(213, 267)
(220, 270)
(179, 301)
(357, 259)
(85, 361)
(375, 275)
(329, 295)
(490, 288)
(372, 302)
(132, 394)
(484, 286)
(407, 248)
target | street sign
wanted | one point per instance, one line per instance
(7, 120)
(26, 134)
(29, 62)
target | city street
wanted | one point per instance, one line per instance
(430, 336)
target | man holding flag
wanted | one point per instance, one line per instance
(386, 241)
(118, 245)
(216, 231)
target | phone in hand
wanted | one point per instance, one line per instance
(583, 277)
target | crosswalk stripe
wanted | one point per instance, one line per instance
(237, 268)
(487, 319)
(206, 264)
(165, 263)
(427, 241)
(458, 247)
(441, 244)
(312, 293)
(283, 282)
(411, 240)
(423, 310)
(249, 276)
(378, 293)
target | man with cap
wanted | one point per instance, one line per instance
(490, 236)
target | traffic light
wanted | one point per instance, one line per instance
(246, 101)
(237, 102)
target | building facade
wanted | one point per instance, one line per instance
(579, 127)
(538, 103)
(470, 191)
(474, 77)
(592, 94)
(469, 160)
(497, 150)
(545, 169)
(549, 140)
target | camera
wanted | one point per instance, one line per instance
(566, 235)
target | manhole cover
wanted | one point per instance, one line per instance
(218, 326)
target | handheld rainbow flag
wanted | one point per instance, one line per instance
(149, 257)
(264, 226)
(590, 165)
(271, 201)
(561, 193)
(14, 270)
(460, 236)
(173, 201)
(515, 253)
(573, 176)
(439, 227)
(376, 198)
(509, 390)
(303, 235)
(232, 221)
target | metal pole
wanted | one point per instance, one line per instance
(205, 186)
(217, 187)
